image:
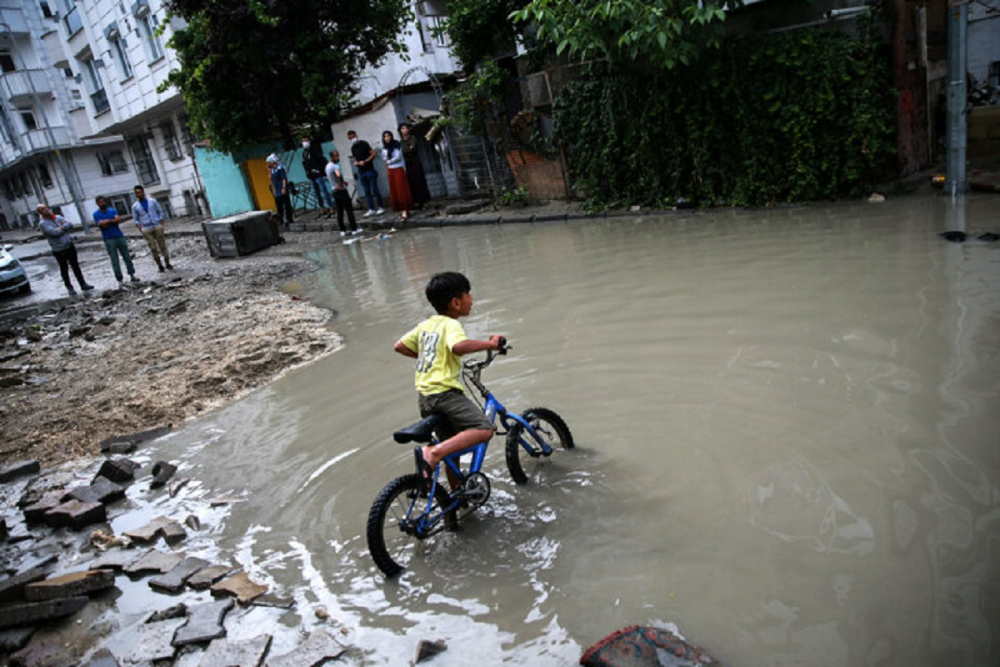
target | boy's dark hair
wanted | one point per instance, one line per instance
(444, 287)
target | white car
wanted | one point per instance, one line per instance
(12, 275)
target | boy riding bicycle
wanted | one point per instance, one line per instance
(437, 344)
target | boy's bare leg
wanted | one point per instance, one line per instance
(473, 436)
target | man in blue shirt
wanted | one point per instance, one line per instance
(115, 243)
(148, 217)
(280, 189)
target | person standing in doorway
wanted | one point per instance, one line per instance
(56, 229)
(364, 163)
(414, 168)
(315, 166)
(115, 243)
(399, 187)
(340, 197)
(280, 189)
(148, 217)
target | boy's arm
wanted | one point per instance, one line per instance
(469, 346)
(402, 349)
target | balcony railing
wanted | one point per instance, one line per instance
(44, 139)
(24, 84)
(100, 101)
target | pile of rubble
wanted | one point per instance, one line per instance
(45, 591)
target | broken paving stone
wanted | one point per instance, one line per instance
(173, 581)
(317, 649)
(149, 532)
(29, 612)
(19, 469)
(35, 512)
(69, 585)
(76, 515)
(176, 485)
(274, 601)
(162, 472)
(154, 561)
(101, 490)
(245, 653)
(117, 559)
(204, 623)
(209, 575)
(192, 522)
(173, 533)
(177, 611)
(118, 470)
(12, 588)
(103, 658)
(428, 649)
(155, 641)
(240, 585)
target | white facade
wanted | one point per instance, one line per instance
(81, 112)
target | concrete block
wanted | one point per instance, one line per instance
(240, 585)
(30, 612)
(208, 576)
(35, 512)
(173, 533)
(162, 472)
(119, 470)
(317, 649)
(76, 515)
(155, 641)
(204, 623)
(153, 561)
(174, 580)
(115, 559)
(150, 530)
(69, 585)
(12, 588)
(101, 490)
(19, 469)
(246, 653)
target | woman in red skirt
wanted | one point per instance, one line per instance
(399, 186)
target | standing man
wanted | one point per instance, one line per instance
(315, 166)
(115, 243)
(148, 218)
(340, 196)
(279, 188)
(364, 163)
(56, 229)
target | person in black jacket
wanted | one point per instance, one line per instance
(315, 166)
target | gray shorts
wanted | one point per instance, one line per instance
(461, 412)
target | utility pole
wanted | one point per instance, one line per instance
(958, 25)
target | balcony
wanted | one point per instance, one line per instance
(22, 85)
(37, 141)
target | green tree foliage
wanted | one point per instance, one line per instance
(788, 117)
(660, 33)
(252, 70)
(480, 29)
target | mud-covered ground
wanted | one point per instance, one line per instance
(116, 362)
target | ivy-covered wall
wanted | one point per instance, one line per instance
(771, 118)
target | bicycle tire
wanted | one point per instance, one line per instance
(390, 545)
(556, 430)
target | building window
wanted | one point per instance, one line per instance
(71, 17)
(28, 118)
(7, 61)
(147, 27)
(121, 203)
(95, 87)
(170, 143)
(46, 10)
(120, 49)
(44, 176)
(144, 163)
(438, 30)
(112, 162)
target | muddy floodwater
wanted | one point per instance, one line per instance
(787, 427)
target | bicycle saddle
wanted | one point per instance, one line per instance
(422, 431)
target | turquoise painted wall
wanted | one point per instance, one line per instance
(225, 186)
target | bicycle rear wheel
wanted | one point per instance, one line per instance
(392, 522)
(522, 445)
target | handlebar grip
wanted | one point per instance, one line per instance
(502, 349)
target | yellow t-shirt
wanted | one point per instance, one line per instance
(438, 368)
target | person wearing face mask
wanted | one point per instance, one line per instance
(115, 243)
(315, 166)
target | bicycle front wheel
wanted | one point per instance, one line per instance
(522, 446)
(393, 533)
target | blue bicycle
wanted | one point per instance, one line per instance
(407, 512)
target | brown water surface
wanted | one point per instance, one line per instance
(787, 426)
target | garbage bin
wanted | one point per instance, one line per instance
(241, 234)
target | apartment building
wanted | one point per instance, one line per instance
(80, 113)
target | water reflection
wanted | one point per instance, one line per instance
(786, 425)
